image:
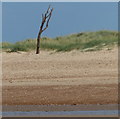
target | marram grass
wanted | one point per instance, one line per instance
(86, 41)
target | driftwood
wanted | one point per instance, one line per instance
(45, 20)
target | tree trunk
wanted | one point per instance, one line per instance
(38, 44)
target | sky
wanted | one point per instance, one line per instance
(21, 20)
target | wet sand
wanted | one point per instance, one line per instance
(47, 108)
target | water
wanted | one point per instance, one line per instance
(60, 113)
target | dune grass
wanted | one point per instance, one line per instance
(86, 41)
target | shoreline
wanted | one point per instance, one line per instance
(83, 107)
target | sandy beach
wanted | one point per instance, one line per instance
(63, 78)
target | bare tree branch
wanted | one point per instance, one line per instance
(45, 20)
(48, 9)
(49, 16)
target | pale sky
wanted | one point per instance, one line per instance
(22, 20)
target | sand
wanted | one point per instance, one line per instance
(71, 78)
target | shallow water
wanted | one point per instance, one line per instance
(60, 113)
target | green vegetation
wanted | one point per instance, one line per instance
(86, 41)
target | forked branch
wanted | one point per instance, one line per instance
(45, 21)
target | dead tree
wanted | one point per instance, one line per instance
(45, 20)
